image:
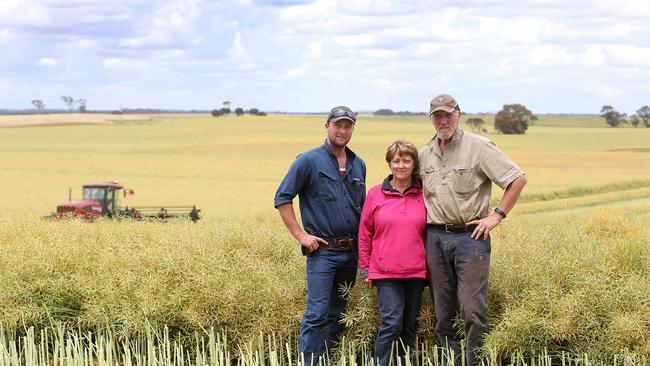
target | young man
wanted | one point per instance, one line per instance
(458, 169)
(330, 182)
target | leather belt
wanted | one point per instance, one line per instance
(455, 228)
(344, 242)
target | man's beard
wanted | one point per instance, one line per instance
(337, 144)
(445, 135)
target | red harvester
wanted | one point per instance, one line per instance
(103, 199)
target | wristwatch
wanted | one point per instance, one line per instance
(500, 212)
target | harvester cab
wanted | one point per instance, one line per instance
(98, 199)
(107, 194)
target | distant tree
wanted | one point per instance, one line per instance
(612, 116)
(220, 112)
(69, 101)
(513, 119)
(81, 105)
(226, 104)
(476, 124)
(254, 111)
(644, 114)
(239, 111)
(634, 120)
(38, 103)
(384, 112)
(261, 113)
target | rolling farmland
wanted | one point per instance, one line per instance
(230, 166)
(569, 272)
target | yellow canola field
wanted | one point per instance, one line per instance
(231, 166)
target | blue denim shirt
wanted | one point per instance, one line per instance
(330, 205)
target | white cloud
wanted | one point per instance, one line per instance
(171, 25)
(48, 62)
(384, 84)
(297, 72)
(123, 63)
(593, 55)
(238, 50)
(16, 12)
(149, 40)
(627, 55)
(609, 92)
(388, 52)
(377, 55)
(624, 8)
(82, 44)
(425, 50)
(354, 40)
(379, 7)
(315, 50)
(548, 55)
(5, 34)
(319, 11)
(407, 32)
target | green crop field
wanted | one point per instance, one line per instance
(570, 268)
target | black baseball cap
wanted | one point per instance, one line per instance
(341, 112)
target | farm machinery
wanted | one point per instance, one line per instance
(103, 199)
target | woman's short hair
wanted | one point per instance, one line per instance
(403, 147)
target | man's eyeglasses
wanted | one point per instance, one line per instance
(338, 113)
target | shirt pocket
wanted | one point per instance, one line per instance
(328, 186)
(357, 190)
(428, 180)
(463, 179)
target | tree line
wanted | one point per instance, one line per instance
(615, 118)
(515, 118)
(239, 111)
(79, 104)
(511, 119)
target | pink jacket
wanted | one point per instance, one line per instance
(391, 232)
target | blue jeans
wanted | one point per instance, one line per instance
(458, 268)
(399, 305)
(327, 271)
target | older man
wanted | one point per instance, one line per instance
(330, 181)
(458, 169)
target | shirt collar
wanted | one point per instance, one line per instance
(386, 186)
(349, 153)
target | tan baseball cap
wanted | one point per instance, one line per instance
(443, 102)
(342, 112)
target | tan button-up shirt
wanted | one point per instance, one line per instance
(458, 184)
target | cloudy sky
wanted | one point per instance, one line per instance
(306, 56)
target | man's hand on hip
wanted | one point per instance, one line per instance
(311, 242)
(485, 225)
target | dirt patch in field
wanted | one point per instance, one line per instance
(25, 120)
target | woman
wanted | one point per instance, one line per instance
(391, 250)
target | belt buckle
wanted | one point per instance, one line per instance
(343, 243)
(447, 226)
